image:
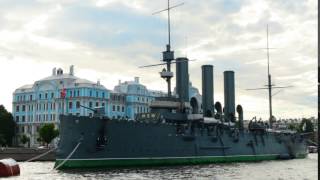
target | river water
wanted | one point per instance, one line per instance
(281, 170)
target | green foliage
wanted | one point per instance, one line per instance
(24, 139)
(48, 133)
(2, 140)
(7, 126)
(306, 125)
(294, 127)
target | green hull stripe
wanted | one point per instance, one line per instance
(112, 163)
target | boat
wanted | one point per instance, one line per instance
(173, 132)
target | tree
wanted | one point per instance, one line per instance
(8, 126)
(25, 139)
(2, 140)
(306, 126)
(48, 133)
(293, 127)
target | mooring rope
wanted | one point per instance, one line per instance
(39, 156)
(68, 157)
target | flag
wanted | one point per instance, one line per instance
(63, 93)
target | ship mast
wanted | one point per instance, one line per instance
(270, 86)
(269, 80)
(168, 55)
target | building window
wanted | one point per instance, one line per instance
(90, 93)
(90, 104)
(23, 118)
(138, 98)
(23, 108)
(118, 108)
(52, 95)
(78, 93)
(17, 108)
(97, 104)
(17, 118)
(102, 94)
(39, 96)
(122, 108)
(30, 97)
(70, 105)
(97, 94)
(113, 108)
(102, 104)
(78, 104)
(54, 117)
(46, 96)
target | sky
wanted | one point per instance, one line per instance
(108, 40)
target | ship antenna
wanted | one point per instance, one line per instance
(168, 55)
(270, 86)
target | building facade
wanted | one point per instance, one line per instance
(60, 93)
(64, 93)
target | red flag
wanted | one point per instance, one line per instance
(63, 93)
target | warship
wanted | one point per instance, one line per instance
(175, 131)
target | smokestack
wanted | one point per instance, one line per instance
(229, 96)
(207, 90)
(182, 80)
(240, 115)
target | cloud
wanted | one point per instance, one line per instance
(108, 40)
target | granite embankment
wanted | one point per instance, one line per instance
(24, 154)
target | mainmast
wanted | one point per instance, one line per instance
(269, 80)
(270, 86)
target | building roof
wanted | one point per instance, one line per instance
(60, 79)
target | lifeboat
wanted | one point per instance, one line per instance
(9, 167)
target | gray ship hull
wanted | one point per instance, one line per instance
(98, 142)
